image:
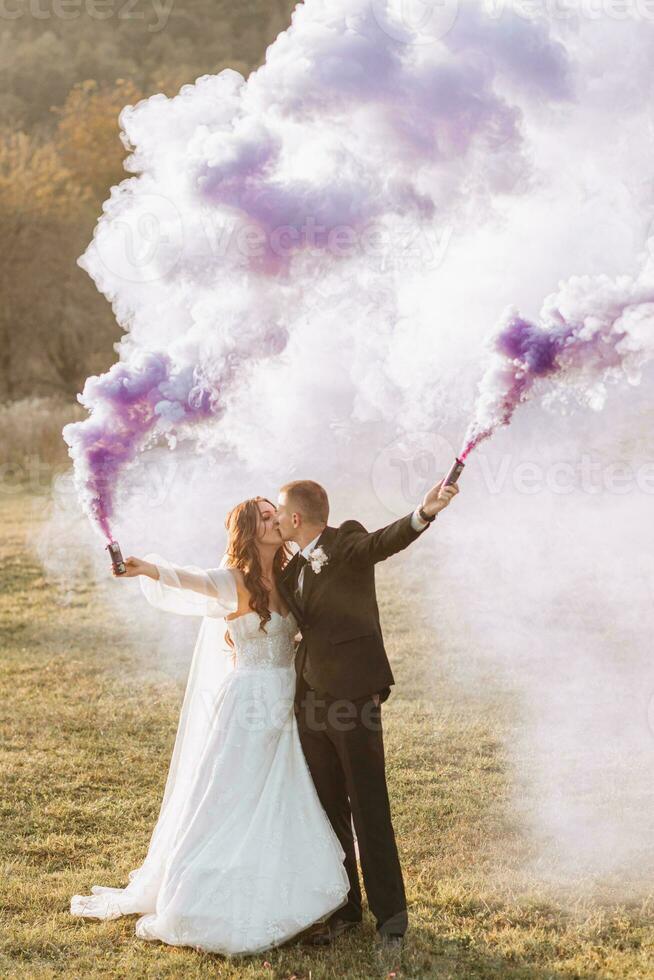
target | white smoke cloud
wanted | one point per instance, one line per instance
(470, 173)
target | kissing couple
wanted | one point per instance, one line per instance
(279, 748)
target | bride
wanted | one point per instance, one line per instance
(242, 857)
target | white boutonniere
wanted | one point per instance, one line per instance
(318, 558)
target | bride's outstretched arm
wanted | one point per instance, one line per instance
(185, 589)
(137, 566)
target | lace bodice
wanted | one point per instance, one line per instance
(255, 649)
(212, 593)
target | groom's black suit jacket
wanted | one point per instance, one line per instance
(342, 649)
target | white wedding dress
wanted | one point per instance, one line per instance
(242, 857)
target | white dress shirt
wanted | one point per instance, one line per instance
(417, 524)
(306, 551)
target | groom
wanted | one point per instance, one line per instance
(343, 676)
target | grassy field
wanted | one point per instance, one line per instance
(84, 761)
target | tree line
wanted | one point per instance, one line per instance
(64, 80)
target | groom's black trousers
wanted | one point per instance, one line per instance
(343, 744)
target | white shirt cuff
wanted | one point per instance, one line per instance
(417, 522)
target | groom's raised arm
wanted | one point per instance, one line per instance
(361, 547)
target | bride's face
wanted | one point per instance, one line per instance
(268, 532)
(285, 518)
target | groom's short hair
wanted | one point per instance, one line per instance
(309, 499)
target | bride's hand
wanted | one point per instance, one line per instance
(133, 566)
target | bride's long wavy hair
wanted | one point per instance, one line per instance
(242, 525)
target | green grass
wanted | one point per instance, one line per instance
(84, 761)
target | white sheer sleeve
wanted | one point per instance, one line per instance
(190, 590)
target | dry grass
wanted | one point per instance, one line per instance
(85, 759)
(31, 445)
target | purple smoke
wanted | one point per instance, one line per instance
(126, 406)
(344, 133)
(593, 330)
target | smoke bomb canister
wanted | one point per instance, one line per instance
(454, 473)
(116, 558)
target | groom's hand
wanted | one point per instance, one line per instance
(438, 498)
